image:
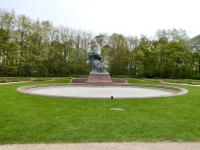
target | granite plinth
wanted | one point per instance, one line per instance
(79, 80)
(83, 81)
(118, 80)
(99, 79)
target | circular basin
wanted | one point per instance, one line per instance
(89, 91)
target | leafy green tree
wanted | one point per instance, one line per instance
(132, 43)
(142, 57)
(179, 52)
(161, 51)
(37, 48)
(195, 45)
(6, 46)
(118, 60)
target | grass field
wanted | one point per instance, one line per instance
(28, 118)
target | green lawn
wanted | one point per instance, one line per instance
(28, 118)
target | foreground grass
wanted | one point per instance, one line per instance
(35, 119)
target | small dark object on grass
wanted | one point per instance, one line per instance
(111, 97)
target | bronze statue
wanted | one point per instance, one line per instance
(96, 62)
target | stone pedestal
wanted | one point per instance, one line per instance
(99, 79)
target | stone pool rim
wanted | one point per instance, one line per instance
(176, 90)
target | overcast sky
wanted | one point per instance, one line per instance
(127, 17)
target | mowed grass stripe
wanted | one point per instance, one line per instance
(28, 118)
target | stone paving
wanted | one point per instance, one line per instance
(106, 146)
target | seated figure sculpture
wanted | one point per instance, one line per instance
(96, 62)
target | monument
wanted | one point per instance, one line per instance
(98, 75)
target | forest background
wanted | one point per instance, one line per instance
(34, 48)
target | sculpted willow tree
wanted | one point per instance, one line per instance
(96, 62)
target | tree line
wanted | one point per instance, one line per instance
(38, 48)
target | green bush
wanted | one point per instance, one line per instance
(43, 79)
(2, 81)
(196, 77)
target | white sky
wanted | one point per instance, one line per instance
(127, 17)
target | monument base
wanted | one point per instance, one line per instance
(99, 79)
